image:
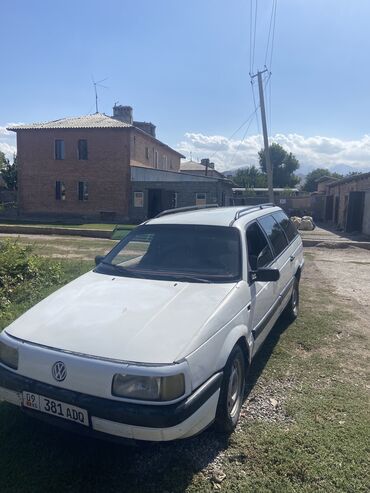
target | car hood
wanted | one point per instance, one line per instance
(121, 318)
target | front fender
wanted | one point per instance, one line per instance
(212, 356)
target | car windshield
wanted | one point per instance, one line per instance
(192, 253)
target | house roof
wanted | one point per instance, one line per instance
(326, 178)
(97, 120)
(194, 166)
(350, 178)
(191, 166)
(255, 189)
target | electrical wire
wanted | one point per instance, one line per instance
(237, 130)
(244, 135)
(255, 106)
(270, 26)
(250, 35)
(255, 32)
(273, 35)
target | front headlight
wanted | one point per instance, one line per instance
(148, 388)
(8, 356)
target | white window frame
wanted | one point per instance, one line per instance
(174, 200)
(138, 199)
(200, 198)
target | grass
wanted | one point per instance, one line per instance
(70, 270)
(67, 248)
(316, 440)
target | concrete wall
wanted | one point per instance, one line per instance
(216, 192)
(342, 190)
(366, 218)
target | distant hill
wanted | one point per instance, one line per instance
(304, 169)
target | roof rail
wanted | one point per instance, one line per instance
(185, 209)
(251, 208)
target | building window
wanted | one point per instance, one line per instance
(138, 199)
(171, 167)
(59, 149)
(82, 149)
(174, 200)
(164, 162)
(60, 190)
(200, 198)
(156, 159)
(83, 190)
(147, 153)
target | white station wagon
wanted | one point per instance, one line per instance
(155, 342)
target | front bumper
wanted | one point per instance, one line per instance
(127, 420)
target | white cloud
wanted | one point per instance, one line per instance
(317, 151)
(7, 142)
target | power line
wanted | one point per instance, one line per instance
(236, 131)
(269, 107)
(254, 34)
(273, 35)
(245, 134)
(250, 35)
(270, 26)
(255, 106)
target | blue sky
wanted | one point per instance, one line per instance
(184, 66)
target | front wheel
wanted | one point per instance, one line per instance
(232, 392)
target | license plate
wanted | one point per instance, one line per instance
(56, 408)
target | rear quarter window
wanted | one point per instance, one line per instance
(286, 224)
(274, 233)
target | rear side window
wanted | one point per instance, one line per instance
(286, 224)
(259, 251)
(274, 233)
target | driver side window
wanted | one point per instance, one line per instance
(259, 251)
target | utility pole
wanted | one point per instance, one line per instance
(265, 137)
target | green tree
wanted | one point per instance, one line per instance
(310, 184)
(284, 164)
(9, 172)
(250, 177)
(2, 160)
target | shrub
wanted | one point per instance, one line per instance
(23, 274)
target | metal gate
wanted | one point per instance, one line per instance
(355, 212)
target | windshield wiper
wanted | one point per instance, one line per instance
(185, 278)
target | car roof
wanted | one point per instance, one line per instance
(215, 216)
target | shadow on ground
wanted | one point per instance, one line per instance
(35, 457)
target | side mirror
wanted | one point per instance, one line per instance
(264, 275)
(99, 259)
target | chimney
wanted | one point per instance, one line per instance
(206, 163)
(123, 113)
(149, 128)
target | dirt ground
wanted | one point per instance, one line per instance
(303, 424)
(346, 271)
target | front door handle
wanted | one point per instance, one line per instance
(292, 257)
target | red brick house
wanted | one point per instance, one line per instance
(81, 166)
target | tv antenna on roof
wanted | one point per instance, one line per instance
(98, 84)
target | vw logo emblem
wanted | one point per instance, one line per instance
(59, 371)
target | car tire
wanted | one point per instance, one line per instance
(232, 392)
(292, 309)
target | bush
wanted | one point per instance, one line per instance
(23, 274)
